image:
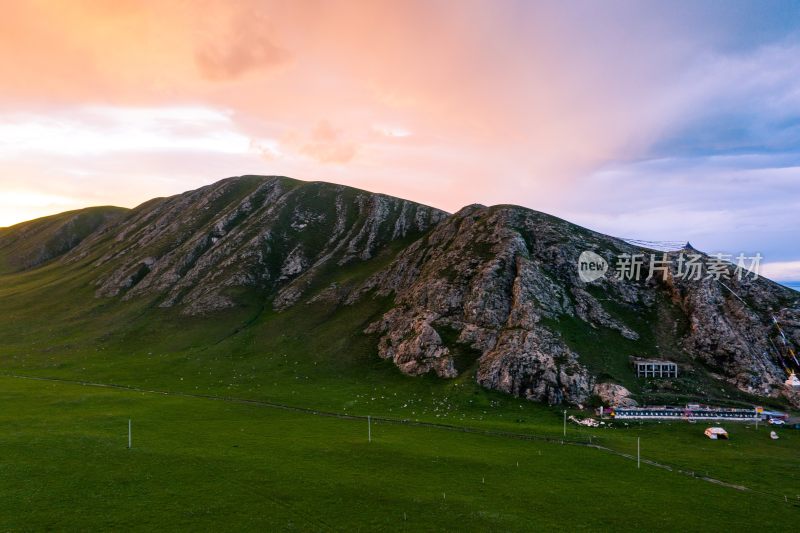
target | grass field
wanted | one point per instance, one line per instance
(214, 464)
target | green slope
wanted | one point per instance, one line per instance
(30, 244)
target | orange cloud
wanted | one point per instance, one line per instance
(127, 51)
(242, 47)
(326, 146)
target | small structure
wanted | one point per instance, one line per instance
(716, 433)
(654, 368)
(792, 382)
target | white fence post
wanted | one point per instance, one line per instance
(638, 453)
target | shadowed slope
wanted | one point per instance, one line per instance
(30, 244)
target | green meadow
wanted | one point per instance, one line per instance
(199, 462)
(211, 451)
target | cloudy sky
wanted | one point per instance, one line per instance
(659, 121)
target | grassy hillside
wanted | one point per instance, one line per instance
(234, 466)
(29, 244)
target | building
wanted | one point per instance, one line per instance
(690, 412)
(653, 368)
(773, 415)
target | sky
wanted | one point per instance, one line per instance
(674, 121)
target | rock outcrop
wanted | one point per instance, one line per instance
(613, 394)
(504, 278)
(493, 274)
(268, 234)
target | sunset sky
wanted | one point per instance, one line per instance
(659, 121)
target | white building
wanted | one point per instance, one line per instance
(652, 368)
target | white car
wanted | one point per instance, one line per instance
(777, 421)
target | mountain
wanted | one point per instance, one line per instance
(502, 283)
(276, 235)
(490, 294)
(33, 243)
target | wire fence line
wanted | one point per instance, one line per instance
(433, 425)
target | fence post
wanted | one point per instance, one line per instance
(638, 453)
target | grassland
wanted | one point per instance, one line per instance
(214, 464)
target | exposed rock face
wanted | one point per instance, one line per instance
(736, 335)
(614, 395)
(536, 365)
(268, 234)
(493, 274)
(502, 277)
(417, 349)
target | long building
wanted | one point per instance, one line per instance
(690, 412)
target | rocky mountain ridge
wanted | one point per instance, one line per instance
(268, 234)
(494, 292)
(503, 278)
